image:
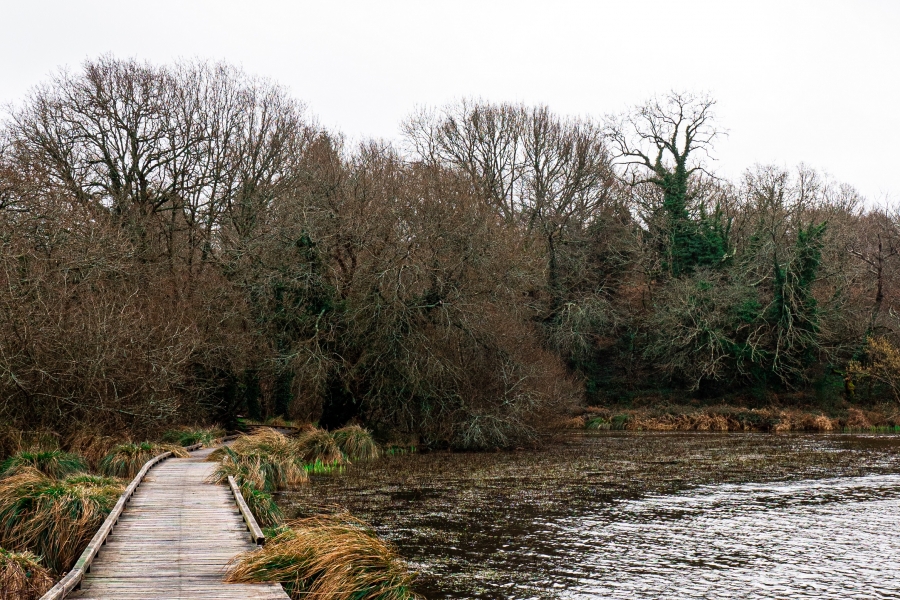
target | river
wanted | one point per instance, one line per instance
(638, 515)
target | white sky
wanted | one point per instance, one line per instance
(811, 81)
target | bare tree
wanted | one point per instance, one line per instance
(665, 143)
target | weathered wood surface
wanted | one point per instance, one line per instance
(173, 541)
(256, 534)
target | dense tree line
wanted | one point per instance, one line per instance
(187, 243)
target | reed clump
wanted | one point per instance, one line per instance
(54, 518)
(320, 446)
(328, 557)
(253, 479)
(356, 443)
(125, 460)
(54, 463)
(267, 459)
(260, 464)
(188, 436)
(22, 577)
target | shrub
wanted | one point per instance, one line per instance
(327, 557)
(54, 518)
(22, 577)
(54, 463)
(356, 443)
(881, 365)
(125, 460)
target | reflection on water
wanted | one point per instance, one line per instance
(640, 516)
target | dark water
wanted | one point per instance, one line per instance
(639, 516)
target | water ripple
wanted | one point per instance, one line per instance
(832, 538)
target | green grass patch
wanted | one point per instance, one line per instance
(188, 436)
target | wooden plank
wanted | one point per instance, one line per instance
(174, 540)
(256, 533)
(74, 577)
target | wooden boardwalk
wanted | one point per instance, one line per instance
(174, 540)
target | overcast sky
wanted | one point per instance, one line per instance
(803, 81)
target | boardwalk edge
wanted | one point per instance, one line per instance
(256, 533)
(74, 577)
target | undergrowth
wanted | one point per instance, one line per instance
(54, 518)
(22, 577)
(188, 436)
(125, 460)
(54, 463)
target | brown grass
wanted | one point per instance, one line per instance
(722, 419)
(54, 518)
(125, 460)
(22, 577)
(356, 443)
(319, 446)
(91, 445)
(327, 558)
(267, 459)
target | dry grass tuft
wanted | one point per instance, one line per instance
(91, 445)
(125, 460)
(188, 436)
(254, 479)
(356, 443)
(22, 577)
(328, 557)
(54, 463)
(274, 454)
(54, 518)
(319, 446)
(245, 468)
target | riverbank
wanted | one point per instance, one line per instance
(790, 414)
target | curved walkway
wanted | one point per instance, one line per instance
(174, 540)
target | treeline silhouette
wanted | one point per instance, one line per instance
(185, 243)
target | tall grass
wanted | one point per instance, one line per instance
(356, 443)
(54, 518)
(54, 463)
(91, 445)
(327, 557)
(188, 436)
(257, 478)
(245, 468)
(261, 504)
(22, 577)
(319, 445)
(267, 459)
(125, 460)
